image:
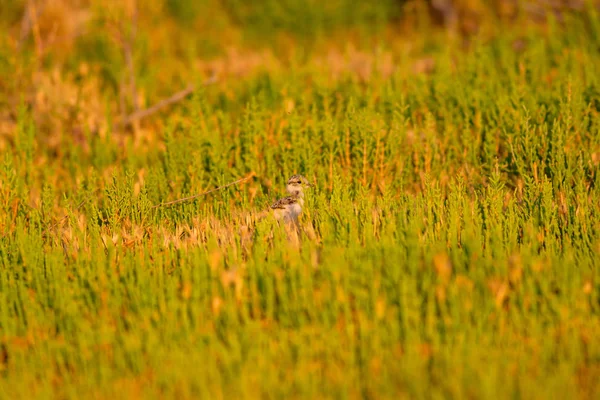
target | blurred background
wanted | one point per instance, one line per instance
(85, 65)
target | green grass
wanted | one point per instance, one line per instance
(450, 248)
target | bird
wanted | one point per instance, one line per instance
(288, 209)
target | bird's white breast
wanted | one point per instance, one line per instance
(290, 212)
(295, 210)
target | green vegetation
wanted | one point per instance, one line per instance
(450, 248)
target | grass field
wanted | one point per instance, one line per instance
(449, 249)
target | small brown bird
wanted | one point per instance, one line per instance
(289, 208)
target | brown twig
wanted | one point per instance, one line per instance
(30, 16)
(51, 227)
(128, 44)
(35, 28)
(251, 175)
(177, 97)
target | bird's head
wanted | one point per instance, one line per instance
(296, 184)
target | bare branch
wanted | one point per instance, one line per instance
(128, 44)
(30, 16)
(60, 221)
(251, 175)
(177, 97)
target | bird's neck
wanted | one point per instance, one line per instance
(299, 196)
(296, 193)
